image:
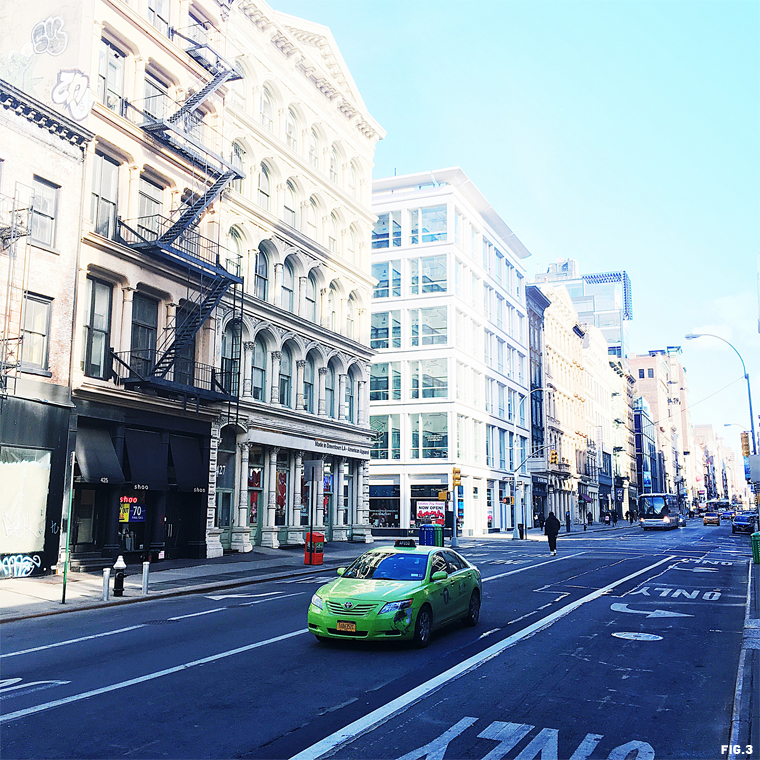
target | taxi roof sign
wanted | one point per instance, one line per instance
(408, 543)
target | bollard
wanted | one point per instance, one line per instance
(106, 582)
(118, 579)
(146, 572)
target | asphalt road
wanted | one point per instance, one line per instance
(618, 647)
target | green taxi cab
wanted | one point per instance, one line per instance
(400, 592)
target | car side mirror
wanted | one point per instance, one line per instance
(341, 570)
(439, 576)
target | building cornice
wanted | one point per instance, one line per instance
(44, 117)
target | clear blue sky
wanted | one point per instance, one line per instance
(622, 134)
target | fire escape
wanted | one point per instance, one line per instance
(169, 369)
(14, 244)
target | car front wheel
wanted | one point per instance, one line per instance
(473, 611)
(423, 628)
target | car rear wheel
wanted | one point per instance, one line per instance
(423, 628)
(473, 611)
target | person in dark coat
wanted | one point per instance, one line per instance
(551, 529)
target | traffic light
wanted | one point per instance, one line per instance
(456, 477)
(553, 458)
(745, 444)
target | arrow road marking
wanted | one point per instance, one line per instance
(655, 613)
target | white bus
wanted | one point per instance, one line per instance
(660, 511)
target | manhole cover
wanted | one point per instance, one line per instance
(637, 636)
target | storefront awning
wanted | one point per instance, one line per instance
(585, 497)
(96, 457)
(147, 459)
(191, 474)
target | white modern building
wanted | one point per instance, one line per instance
(448, 386)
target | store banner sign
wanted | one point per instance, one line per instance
(130, 510)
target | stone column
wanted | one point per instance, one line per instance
(360, 528)
(248, 348)
(277, 285)
(269, 529)
(241, 532)
(295, 530)
(321, 405)
(361, 401)
(323, 310)
(319, 521)
(340, 527)
(126, 320)
(302, 284)
(300, 364)
(213, 534)
(341, 397)
(274, 395)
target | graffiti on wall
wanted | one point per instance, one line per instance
(19, 565)
(30, 69)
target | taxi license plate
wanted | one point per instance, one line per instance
(347, 625)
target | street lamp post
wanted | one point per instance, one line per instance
(692, 336)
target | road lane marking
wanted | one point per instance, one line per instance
(72, 641)
(274, 599)
(218, 598)
(196, 614)
(649, 613)
(382, 714)
(632, 636)
(149, 677)
(529, 567)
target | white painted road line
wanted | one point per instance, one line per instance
(386, 712)
(196, 614)
(530, 567)
(142, 679)
(71, 641)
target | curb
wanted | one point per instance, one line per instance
(198, 589)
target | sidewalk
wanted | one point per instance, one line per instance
(41, 595)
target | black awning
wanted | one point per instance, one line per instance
(96, 457)
(191, 473)
(147, 459)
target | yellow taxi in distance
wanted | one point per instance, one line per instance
(711, 518)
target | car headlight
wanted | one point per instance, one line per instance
(396, 606)
(317, 602)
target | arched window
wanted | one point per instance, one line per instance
(351, 245)
(287, 287)
(311, 299)
(232, 258)
(308, 384)
(259, 370)
(289, 205)
(231, 357)
(314, 149)
(352, 179)
(330, 392)
(334, 164)
(286, 376)
(332, 242)
(291, 130)
(261, 278)
(350, 316)
(264, 187)
(266, 110)
(311, 219)
(238, 161)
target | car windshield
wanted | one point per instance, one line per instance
(711, 514)
(392, 566)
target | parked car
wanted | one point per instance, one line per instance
(711, 518)
(744, 522)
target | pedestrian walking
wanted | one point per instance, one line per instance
(551, 529)
(614, 518)
(606, 518)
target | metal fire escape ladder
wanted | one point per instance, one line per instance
(192, 319)
(176, 238)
